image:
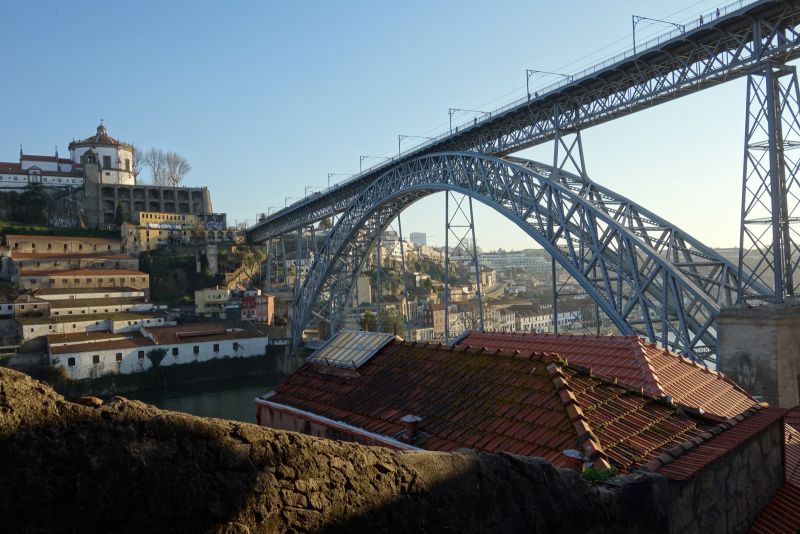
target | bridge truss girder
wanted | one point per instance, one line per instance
(646, 275)
(717, 52)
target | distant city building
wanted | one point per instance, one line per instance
(258, 307)
(210, 303)
(502, 261)
(419, 238)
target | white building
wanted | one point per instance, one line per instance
(94, 354)
(115, 158)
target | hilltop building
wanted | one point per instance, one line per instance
(101, 173)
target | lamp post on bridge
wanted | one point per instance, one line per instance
(451, 111)
(362, 158)
(401, 137)
(336, 174)
(531, 72)
(636, 19)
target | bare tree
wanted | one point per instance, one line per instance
(154, 159)
(176, 167)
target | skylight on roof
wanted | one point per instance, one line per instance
(350, 349)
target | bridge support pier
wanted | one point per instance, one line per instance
(759, 348)
(770, 216)
(460, 226)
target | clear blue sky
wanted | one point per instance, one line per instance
(264, 98)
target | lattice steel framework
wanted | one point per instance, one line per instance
(459, 230)
(770, 228)
(730, 47)
(652, 278)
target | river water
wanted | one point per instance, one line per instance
(225, 400)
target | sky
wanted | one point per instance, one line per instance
(266, 98)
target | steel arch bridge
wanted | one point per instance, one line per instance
(648, 276)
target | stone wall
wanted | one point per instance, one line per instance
(759, 348)
(126, 466)
(727, 496)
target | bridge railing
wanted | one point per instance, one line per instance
(577, 77)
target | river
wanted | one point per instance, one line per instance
(225, 400)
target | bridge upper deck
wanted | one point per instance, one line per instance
(744, 36)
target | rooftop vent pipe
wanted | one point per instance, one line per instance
(411, 422)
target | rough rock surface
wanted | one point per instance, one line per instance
(124, 466)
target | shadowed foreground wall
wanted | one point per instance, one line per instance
(126, 466)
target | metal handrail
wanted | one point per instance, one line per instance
(548, 90)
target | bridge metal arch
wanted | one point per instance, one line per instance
(636, 287)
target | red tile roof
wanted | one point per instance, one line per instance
(782, 514)
(8, 167)
(82, 272)
(631, 361)
(29, 157)
(71, 256)
(792, 446)
(28, 237)
(184, 333)
(527, 404)
(692, 457)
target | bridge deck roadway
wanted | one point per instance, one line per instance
(721, 49)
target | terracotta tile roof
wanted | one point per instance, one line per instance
(86, 290)
(129, 342)
(690, 457)
(55, 238)
(527, 404)
(782, 514)
(82, 272)
(792, 446)
(184, 333)
(29, 157)
(631, 361)
(80, 337)
(11, 168)
(57, 256)
(81, 303)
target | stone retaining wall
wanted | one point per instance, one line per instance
(126, 466)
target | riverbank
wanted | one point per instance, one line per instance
(166, 378)
(230, 399)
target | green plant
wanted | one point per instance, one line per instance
(156, 355)
(595, 475)
(4, 360)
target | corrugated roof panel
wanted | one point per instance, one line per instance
(350, 349)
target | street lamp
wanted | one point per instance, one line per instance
(531, 72)
(336, 174)
(286, 200)
(636, 19)
(401, 137)
(362, 158)
(451, 111)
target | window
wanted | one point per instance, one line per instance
(88, 280)
(106, 162)
(80, 246)
(196, 349)
(119, 357)
(35, 306)
(127, 164)
(216, 347)
(52, 280)
(235, 346)
(71, 361)
(174, 351)
(141, 355)
(49, 246)
(96, 358)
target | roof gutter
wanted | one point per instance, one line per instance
(339, 425)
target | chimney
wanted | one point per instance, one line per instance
(411, 422)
